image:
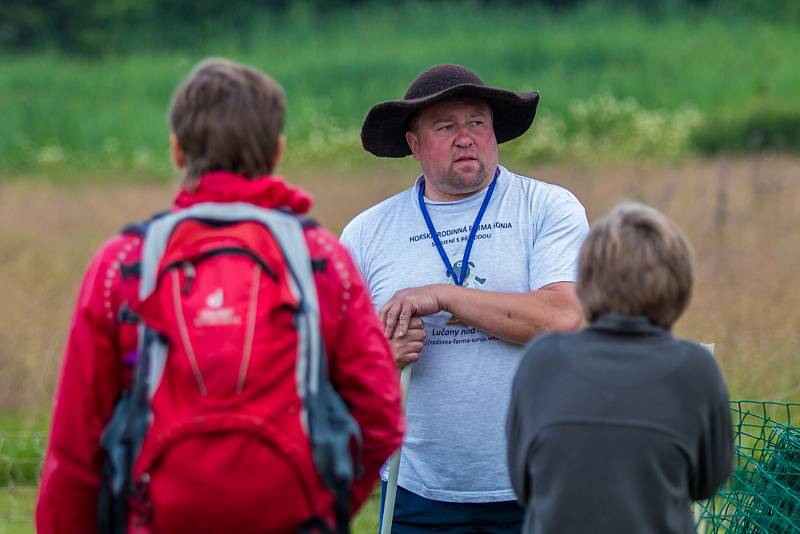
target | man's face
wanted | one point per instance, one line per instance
(455, 144)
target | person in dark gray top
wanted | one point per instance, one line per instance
(616, 428)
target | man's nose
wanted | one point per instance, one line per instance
(463, 136)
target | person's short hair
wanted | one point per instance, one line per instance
(413, 122)
(635, 261)
(228, 117)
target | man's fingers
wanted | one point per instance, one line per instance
(416, 330)
(402, 347)
(403, 320)
(389, 319)
(406, 359)
(398, 316)
(415, 334)
(382, 314)
(415, 347)
(416, 323)
(408, 349)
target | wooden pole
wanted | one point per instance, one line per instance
(394, 465)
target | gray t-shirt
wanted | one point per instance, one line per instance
(529, 237)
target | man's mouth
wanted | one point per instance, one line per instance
(465, 159)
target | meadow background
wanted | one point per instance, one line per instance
(688, 105)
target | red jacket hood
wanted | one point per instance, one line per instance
(264, 191)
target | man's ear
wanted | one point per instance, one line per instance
(413, 143)
(279, 152)
(178, 157)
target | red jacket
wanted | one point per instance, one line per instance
(94, 371)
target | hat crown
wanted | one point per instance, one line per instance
(439, 78)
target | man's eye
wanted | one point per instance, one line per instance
(444, 128)
(477, 122)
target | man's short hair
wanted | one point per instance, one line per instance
(413, 122)
(228, 117)
(635, 261)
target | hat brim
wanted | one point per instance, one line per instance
(384, 130)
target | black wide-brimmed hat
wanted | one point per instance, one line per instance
(384, 130)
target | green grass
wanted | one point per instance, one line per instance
(20, 454)
(16, 511)
(72, 116)
(366, 522)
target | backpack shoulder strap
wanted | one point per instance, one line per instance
(308, 222)
(318, 265)
(139, 228)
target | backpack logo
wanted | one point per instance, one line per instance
(214, 314)
(215, 299)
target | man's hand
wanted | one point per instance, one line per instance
(407, 303)
(407, 348)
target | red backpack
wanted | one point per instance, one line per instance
(231, 424)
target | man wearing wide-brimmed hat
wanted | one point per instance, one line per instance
(465, 266)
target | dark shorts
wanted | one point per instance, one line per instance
(417, 515)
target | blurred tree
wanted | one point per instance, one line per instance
(71, 25)
(102, 26)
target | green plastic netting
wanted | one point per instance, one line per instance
(763, 495)
(20, 462)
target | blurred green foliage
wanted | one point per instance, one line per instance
(616, 84)
(99, 27)
(751, 129)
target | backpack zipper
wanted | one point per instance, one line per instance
(252, 308)
(184, 332)
(190, 271)
(189, 274)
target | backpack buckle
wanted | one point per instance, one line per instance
(141, 504)
(130, 270)
(127, 315)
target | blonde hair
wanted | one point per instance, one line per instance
(228, 117)
(635, 261)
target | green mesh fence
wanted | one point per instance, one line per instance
(763, 495)
(20, 460)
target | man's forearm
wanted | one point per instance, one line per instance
(514, 317)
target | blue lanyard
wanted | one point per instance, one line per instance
(459, 280)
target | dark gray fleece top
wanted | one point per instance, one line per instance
(615, 429)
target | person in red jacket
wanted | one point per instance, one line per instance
(226, 122)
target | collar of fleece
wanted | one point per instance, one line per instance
(264, 191)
